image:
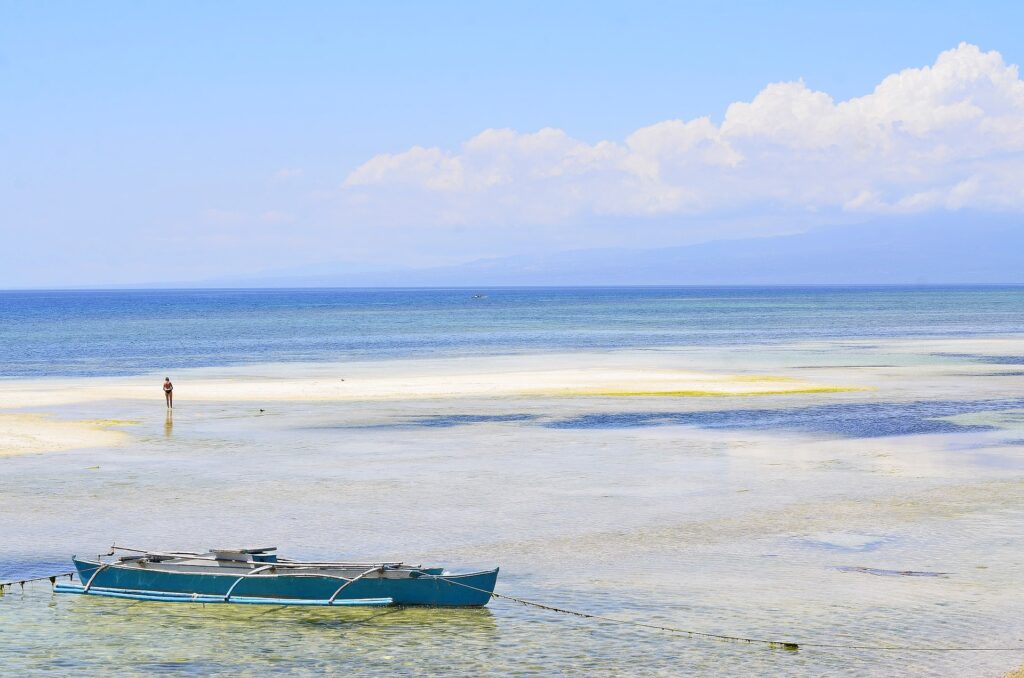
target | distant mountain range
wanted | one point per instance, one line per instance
(950, 248)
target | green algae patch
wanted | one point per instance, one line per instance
(105, 423)
(720, 394)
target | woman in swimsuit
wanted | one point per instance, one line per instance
(169, 392)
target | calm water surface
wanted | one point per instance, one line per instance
(754, 517)
(121, 332)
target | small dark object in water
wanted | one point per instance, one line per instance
(889, 573)
(261, 409)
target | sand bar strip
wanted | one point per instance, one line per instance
(346, 382)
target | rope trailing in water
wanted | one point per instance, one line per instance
(22, 582)
(774, 644)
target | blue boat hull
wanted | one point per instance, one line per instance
(467, 590)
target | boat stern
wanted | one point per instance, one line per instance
(452, 590)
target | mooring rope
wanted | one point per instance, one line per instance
(774, 644)
(22, 582)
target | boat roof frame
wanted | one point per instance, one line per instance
(287, 563)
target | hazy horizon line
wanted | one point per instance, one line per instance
(158, 288)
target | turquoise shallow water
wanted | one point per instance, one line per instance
(123, 332)
(760, 517)
(719, 531)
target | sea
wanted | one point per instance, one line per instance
(100, 332)
(878, 526)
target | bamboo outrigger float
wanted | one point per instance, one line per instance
(257, 576)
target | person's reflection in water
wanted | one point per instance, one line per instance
(169, 423)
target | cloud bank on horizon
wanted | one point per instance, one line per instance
(948, 136)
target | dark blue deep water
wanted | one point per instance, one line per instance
(121, 332)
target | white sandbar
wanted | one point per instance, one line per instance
(546, 375)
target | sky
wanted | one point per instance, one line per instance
(162, 142)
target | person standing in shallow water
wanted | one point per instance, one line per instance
(169, 392)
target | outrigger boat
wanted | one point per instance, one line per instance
(257, 576)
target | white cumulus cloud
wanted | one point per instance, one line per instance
(946, 136)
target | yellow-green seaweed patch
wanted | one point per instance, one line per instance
(112, 422)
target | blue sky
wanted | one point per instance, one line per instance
(178, 141)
